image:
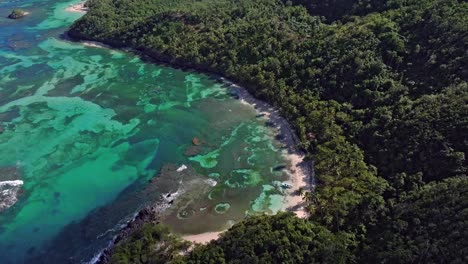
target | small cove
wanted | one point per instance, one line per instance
(86, 128)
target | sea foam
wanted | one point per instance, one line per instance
(9, 193)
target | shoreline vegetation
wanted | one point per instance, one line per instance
(300, 170)
(377, 93)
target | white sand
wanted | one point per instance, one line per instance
(94, 44)
(301, 173)
(202, 238)
(293, 201)
(77, 8)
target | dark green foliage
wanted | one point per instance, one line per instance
(429, 225)
(151, 243)
(337, 9)
(269, 48)
(432, 130)
(282, 238)
(372, 65)
(378, 97)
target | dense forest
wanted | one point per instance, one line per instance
(377, 91)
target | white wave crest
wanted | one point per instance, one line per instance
(9, 193)
(181, 168)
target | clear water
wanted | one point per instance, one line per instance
(85, 128)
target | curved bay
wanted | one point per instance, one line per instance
(85, 128)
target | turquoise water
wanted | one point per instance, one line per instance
(85, 128)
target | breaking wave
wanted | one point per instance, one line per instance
(9, 191)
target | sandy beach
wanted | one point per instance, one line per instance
(293, 201)
(77, 8)
(202, 238)
(301, 172)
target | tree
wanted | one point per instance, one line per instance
(282, 238)
(430, 225)
(151, 244)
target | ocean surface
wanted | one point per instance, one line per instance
(84, 129)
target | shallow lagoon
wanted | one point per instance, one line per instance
(86, 128)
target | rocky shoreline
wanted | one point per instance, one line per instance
(149, 214)
(172, 183)
(165, 184)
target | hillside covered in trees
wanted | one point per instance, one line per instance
(377, 92)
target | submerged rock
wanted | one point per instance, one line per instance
(166, 184)
(222, 208)
(196, 141)
(19, 41)
(279, 168)
(9, 173)
(192, 151)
